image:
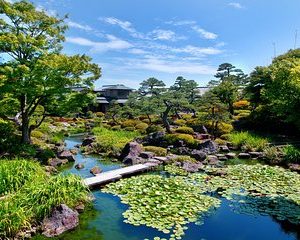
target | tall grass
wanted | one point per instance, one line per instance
(34, 198)
(291, 154)
(112, 141)
(248, 141)
(15, 173)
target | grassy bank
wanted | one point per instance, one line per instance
(112, 142)
(30, 195)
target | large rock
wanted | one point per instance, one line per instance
(230, 155)
(192, 167)
(66, 154)
(198, 155)
(147, 155)
(154, 139)
(95, 170)
(56, 162)
(130, 153)
(88, 141)
(208, 146)
(79, 166)
(244, 156)
(62, 219)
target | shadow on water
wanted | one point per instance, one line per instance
(244, 218)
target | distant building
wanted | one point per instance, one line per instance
(108, 93)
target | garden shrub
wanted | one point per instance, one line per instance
(37, 134)
(129, 129)
(220, 141)
(180, 122)
(130, 123)
(158, 151)
(7, 138)
(187, 116)
(186, 138)
(224, 128)
(117, 127)
(183, 158)
(196, 124)
(111, 141)
(100, 114)
(154, 128)
(291, 154)
(141, 126)
(241, 104)
(186, 130)
(273, 155)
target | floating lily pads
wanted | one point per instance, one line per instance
(166, 204)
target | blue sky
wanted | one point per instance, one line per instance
(133, 40)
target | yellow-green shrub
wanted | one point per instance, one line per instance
(241, 104)
(187, 116)
(37, 134)
(141, 126)
(225, 128)
(180, 122)
(174, 138)
(183, 158)
(154, 128)
(117, 127)
(220, 141)
(186, 130)
(158, 151)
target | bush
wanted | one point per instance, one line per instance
(142, 127)
(241, 104)
(186, 130)
(186, 138)
(224, 128)
(129, 129)
(183, 158)
(158, 151)
(100, 114)
(111, 141)
(220, 141)
(129, 123)
(6, 135)
(247, 141)
(37, 134)
(117, 127)
(187, 116)
(154, 128)
(291, 154)
(180, 122)
(273, 155)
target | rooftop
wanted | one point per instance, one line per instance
(114, 87)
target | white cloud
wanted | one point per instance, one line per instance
(205, 34)
(79, 26)
(181, 23)
(179, 67)
(236, 5)
(113, 43)
(125, 25)
(50, 12)
(137, 51)
(197, 51)
(160, 34)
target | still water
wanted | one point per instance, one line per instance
(105, 220)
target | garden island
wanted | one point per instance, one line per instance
(170, 160)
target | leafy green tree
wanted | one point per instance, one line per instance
(228, 82)
(34, 72)
(163, 101)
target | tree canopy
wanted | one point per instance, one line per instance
(34, 73)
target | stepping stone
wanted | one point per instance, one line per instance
(244, 156)
(230, 155)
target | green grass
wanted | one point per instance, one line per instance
(14, 174)
(248, 141)
(33, 195)
(291, 154)
(112, 141)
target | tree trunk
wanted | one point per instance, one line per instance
(149, 118)
(165, 119)
(25, 130)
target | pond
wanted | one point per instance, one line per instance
(105, 220)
